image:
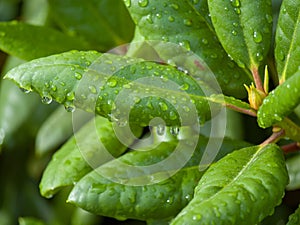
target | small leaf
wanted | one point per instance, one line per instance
(121, 199)
(76, 157)
(57, 129)
(294, 219)
(287, 51)
(29, 42)
(30, 221)
(244, 28)
(292, 165)
(115, 84)
(242, 188)
(104, 24)
(280, 102)
(180, 23)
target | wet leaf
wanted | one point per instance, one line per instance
(29, 41)
(110, 85)
(242, 188)
(244, 28)
(180, 23)
(95, 144)
(104, 24)
(280, 102)
(287, 51)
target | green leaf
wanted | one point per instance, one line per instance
(30, 221)
(57, 129)
(111, 85)
(292, 165)
(29, 42)
(121, 199)
(104, 24)
(287, 51)
(242, 188)
(294, 219)
(280, 102)
(244, 28)
(81, 152)
(180, 23)
(202, 7)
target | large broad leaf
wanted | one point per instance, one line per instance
(242, 188)
(180, 23)
(145, 194)
(29, 42)
(104, 23)
(280, 102)
(244, 28)
(287, 50)
(113, 85)
(95, 144)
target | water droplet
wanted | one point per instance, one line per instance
(149, 19)
(136, 100)
(277, 117)
(62, 83)
(171, 18)
(163, 106)
(26, 91)
(235, 3)
(122, 122)
(197, 217)
(235, 24)
(269, 18)
(186, 44)
(174, 130)
(186, 109)
(188, 22)
(174, 6)
(112, 82)
(46, 99)
(160, 129)
(184, 87)
(226, 8)
(204, 41)
(234, 32)
(158, 15)
(237, 10)
(71, 96)
(53, 88)
(78, 76)
(259, 56)
(143, 3)
(241, 64)
(281, 55)
(93, 89)
(127, 3)
(172, 115)
(257, 37)
(69, 107)
(214, 56)
(165, 38)
(47, 84)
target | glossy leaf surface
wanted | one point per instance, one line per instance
(35, 41)
(113, 84)
(244, 28)
(123, 200)
(180, 23)
(280, 102)
(76, 157)
(244, 193)
(287, 50)
(104, 24)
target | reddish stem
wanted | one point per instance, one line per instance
(257, 80)
(249, 112)
(274, 137)
(293, 147)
